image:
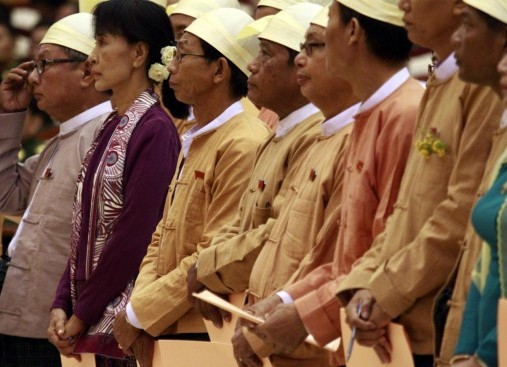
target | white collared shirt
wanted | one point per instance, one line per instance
(191, 116)
(77, 121)
(446, 69)
(338, 122)
(295, 118)
(385, 90)
(229, 113)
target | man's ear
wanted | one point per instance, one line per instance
(354, 31)
(140, 54)
(222, 70)
(87, 78)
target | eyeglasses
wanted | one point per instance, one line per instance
(178, 56)
(40, 65)
(308, 47)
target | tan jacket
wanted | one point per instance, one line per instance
(314, 191)
(460, 279)
(225, 266)
(199, 203)
(44, 244)
(411, 260)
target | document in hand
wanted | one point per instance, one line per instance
(502, 332)
(213, 299)
(216, 353)
(364, 356)
(224, 334)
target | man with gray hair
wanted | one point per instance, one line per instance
(42, 189)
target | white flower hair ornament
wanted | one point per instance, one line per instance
(159, 72)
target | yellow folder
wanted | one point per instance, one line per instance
(183, 353)
(238, 311)
(364, 356)
(87, 360)
(217, 353)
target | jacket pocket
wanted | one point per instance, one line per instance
(28, 241)
(299, 231)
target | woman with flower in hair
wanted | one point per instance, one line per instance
(123, 181)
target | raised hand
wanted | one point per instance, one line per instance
(15, 92)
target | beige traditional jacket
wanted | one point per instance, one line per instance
(47, 183)
(225, 266)
(410, 261)
(201, 199)
(288, 253)
(460, 279)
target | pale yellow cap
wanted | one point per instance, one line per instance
(279, 4)
(249, 34)
(322, 17)
(196, 8)
(496, 8)
(255, 28)
(74, 31)
(288, 27)
(384, 10)
(219, 28)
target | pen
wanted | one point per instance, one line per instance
(359, 308)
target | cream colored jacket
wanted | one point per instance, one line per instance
(199, 202)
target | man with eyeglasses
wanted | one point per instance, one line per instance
(40, 65)
(182, 14)
(209, 73)
(43, 188)
(225, 266)
(367, 47)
